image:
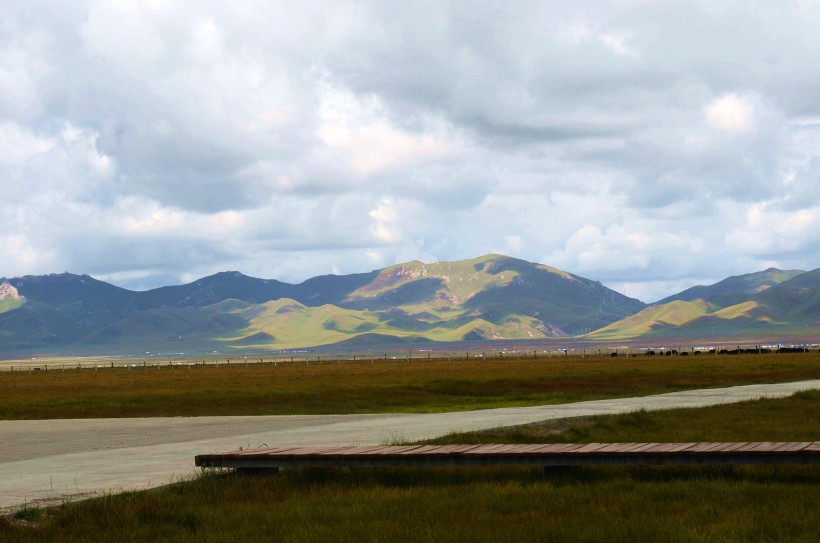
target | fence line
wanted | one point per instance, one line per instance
(371, 358)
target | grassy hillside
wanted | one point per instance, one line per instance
(654, 318)
(785, 303)
(289, 324)
(7, 304)
(750, 284)
(460, 280)
(496, 288)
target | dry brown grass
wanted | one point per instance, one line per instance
(398, 386)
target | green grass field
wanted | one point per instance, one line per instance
(397, 386)
(720, 504)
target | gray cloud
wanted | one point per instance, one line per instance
(629, 142)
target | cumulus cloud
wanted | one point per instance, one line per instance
(731, 113)
(384, 217)
(151, 142)
(774, 232)
(361, 128)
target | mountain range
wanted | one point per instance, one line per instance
(493, 297)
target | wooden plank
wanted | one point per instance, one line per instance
(486, 449)
(454, 449)
(420, 449)
(314, 451)
(359, 450)
(793, 446)
(518, 454)
(773, 446)
(397, 449)
(461, 449)
(715, 447)
(721, 447)
(617, 447)
(700, 447)
(502, 449)
(749, 446)
(590, 447)
(681, 447)
(528, 449)
(511, 448)
(566, 447)
(765, 446)
(629, 447)
(271, 451)
(733, 447)
(294, 450)
(642, 448)
(662, 448)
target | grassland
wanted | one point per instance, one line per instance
(289, 324)
(7, 304)
(695, 315)
(397, 386)
(724, 504)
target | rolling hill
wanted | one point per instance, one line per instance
(490, 297)
(749, 284)
(766, 303)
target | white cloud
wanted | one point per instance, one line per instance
(18, 144)
(385, 217)
(769, 230)
(23, 70)
(619, 44)
(158, 220)
(361, 128)
(635, 245)
(731, 113)
(22, 255)
(513, 244)
(206, 42)
(227, 220)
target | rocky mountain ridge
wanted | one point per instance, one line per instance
(8, 291)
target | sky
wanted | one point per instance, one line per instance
(648, 145)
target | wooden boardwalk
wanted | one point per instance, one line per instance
(561, 454)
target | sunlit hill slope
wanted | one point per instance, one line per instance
(490, 297)
(769, 302)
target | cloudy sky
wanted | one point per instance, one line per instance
(648, 145)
